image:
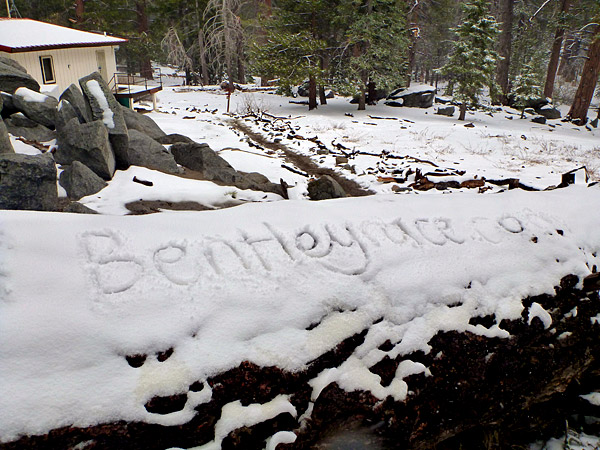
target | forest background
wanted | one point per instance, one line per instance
(515, 50)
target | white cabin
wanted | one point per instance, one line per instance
(57, 56)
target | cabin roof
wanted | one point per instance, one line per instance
(27, 35)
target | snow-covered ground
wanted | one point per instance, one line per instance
(78, 293)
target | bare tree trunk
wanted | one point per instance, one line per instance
(324, 68)
(201, 48)
(312, 93)
(322, 97)
(241, 67)
(143, 28)
(413, 30)
(566, 69)
(463, 111)
(587, 84)
(555, 53)
(504, 48)
(202, 54)
(371, 93)
(79, 10)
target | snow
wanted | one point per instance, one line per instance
(282, 437)
(234, 416)
(279, 282)
(536, 310)
(24, 33)
(28, 95)
(122, 190)
(593, 398)
(98, 94)
(224, 274)
(572, 441)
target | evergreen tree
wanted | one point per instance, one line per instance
(376, 37)
(472, 64)
(525, 89)
(295, 45)
(438, 18)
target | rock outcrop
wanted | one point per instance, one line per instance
(38, 107)
(201, 158)
(5, 144)
(28, 182)
(80, 181)
(412, 99)
(146, 152)
(142, 123)
(14, 76)
(74, 96)
(20, 125)
(105, 108)
(325, 188)
(87, 143)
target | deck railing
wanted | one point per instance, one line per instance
(122, 82)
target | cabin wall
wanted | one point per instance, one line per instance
(70, 65)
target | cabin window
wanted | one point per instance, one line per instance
(47, 69)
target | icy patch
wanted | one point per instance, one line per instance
(98, 94)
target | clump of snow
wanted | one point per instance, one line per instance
(234, 416)
(536, 310)
(282, 437)
(593, 398)
(30, 96)
(98, 94)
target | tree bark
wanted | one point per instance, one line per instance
(322, 97)
(504, 48)
(201, 48)
(555, 53)
(79, 10)
(566, 69)
(143, 28)
(241, 67)
(587, 84)
(413, 36)
(312, 93)
(463, 111)
(371, 93)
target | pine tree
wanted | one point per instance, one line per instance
(526, 88)
(376, 37)
(472, 64)
(295, 45)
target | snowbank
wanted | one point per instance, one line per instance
(78, 293)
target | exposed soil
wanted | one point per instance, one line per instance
(482, 393)
(302, 162)
(141, 207)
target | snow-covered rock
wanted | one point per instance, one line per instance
(38, 107)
